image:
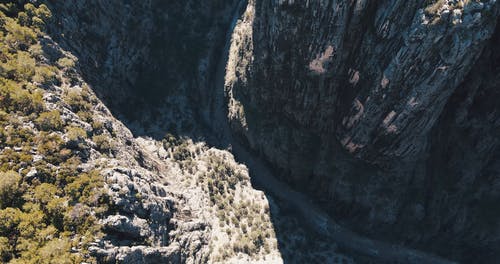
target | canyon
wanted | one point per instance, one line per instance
(353, 131)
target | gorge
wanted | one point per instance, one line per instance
(267, 131)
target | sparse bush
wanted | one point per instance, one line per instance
(5, 249)
(49, 121)
(43, 12)
(76, 137)
(18, 37)
(9, 188)
(51, 147)
(181, 152)
(45, 74)
(78, 101)
(102, 142)
(66, 62)
(76, 133)
(97, 127)
(170, 141)
(14, 98)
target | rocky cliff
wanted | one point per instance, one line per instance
(172, 199)
(385, 111)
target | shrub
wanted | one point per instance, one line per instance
(76, 137)
(5, 250)
(77, 100)
(18, 37)
(97, 126)
(76, 133)
(9, 188)
(49, 121)
(9, 220)
(66, 62)
(51, 147)
(102, 143)
(181, 152)
(25, 66)
(170, 141)
(43, 12)
(86, 189)
(45, 74)
(433, 8)
(58, 251)
(14, 98)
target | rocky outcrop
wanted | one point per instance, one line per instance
(382, 110)
(160, 204)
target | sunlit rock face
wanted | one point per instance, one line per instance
(386, 111)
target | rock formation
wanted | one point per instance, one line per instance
(385, 111)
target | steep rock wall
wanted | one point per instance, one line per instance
(383, 110)
(144, 51)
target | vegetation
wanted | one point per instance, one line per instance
(49, 121)
(247, 219)
(48, 205)
(103, 144)
(432, 7)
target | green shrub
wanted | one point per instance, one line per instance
(44, 193)
(9, 221)
(51, 147)
(66, 62)
(43, 12)
(49, 121)
(182, 152)
(170, 141)
(76, 137)
(5, 249)
(76, 133)
(45, 74)
(18, 37)
(9, 188)
(97, 126)
(78, 101)
(14, 98)
(102, 143)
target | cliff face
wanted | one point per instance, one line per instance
(147, 53)
(171, 200)
(383, 110)
(166, 201)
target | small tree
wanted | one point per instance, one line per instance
(9, 188)
(48, 121)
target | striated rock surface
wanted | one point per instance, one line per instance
(385, 111)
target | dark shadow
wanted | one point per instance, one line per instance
(149, 78)
(264, 115)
